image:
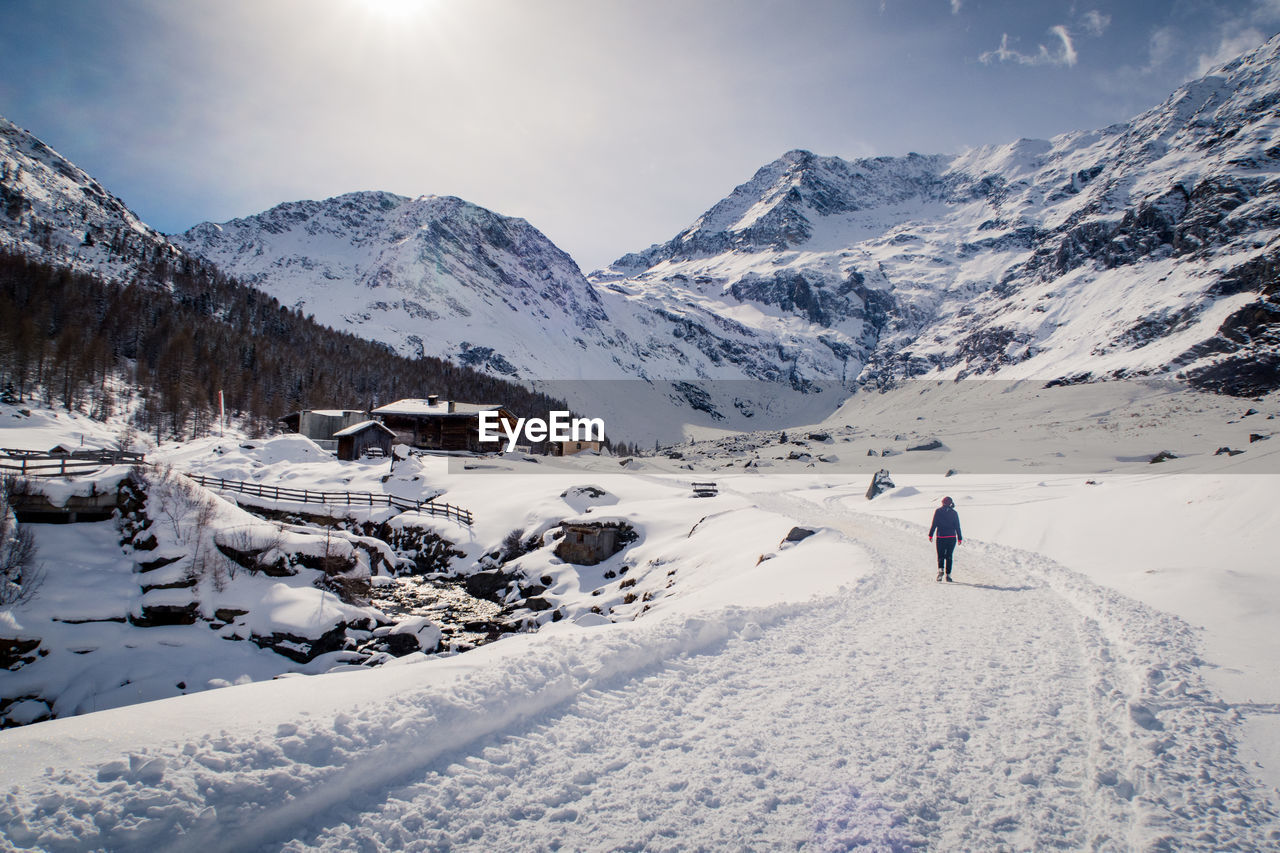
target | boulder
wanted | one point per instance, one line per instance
(158, 615)
(487, 585)
(880, 483)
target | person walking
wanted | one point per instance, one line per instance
(946, 523)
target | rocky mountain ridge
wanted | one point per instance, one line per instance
(1148, 248)
(54, 211)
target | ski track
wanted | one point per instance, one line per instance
(1021, 708)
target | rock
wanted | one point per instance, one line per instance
(880, 483)
(400, 645)
(158, 615)
(228, 614)
(1162, 456)
(798, 534)
(582, 497)
(818, 436)
(158, 563)
(928, 445)
(872, 453)
(951, 472)
(17, 652)
(303, 649)
(487, 585)
(1227, 451)
(537, 603)
(1253, 436)
(22, 712)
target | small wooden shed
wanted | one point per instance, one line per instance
(367, 438)
(573, 448)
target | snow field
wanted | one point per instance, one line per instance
(1023, 707)
(1061, 695)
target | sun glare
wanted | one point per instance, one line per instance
(397, 10)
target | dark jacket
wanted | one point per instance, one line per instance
(946, 521)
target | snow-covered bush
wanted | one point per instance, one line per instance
(188, 511)
(20, 575)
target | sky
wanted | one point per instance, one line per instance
(608, 124)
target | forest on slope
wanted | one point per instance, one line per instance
(159, 348)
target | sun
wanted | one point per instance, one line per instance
(397, 11)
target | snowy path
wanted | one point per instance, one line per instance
(981, 715)
(1021, 708)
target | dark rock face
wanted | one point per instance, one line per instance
(1249, 339)
(303, 649)
(166, 614)
(488, 585)
(17, 652)
(158, 563)
(798, 534)
(796, 293)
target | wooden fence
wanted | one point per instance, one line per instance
(335, 498)
(35, 463)
(32, 463)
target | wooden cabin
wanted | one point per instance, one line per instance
(435, 424)
(367, 438)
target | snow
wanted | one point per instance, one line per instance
(1100, 675)
(1084, 683)
(426, 407)
(356, 428)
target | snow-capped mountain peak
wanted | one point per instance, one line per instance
(53, 210)
(433, 274)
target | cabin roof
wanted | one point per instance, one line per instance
(414, 406)
(361, 427)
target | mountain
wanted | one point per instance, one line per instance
(441, 276)
(53, 211)
(100, 313)
(1146, 248)
(431, 275)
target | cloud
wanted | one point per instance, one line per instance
(956, 6)
(1230, 45)
(1095, 23)
(1063, 53)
